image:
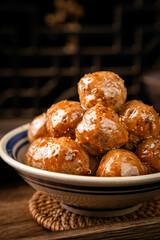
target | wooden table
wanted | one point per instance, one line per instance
(16, 222)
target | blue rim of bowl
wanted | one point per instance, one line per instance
(21, 132)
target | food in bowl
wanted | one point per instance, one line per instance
(62, 155)
(85, 192)
(104, 87)
(63, 117)
(149, 153)
(120, 163)
(37, 128)
(99, 128)
(85, 195)
(142, 121)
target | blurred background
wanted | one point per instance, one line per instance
(47, 46)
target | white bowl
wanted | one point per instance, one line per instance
(87, 195)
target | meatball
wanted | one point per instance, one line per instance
(101, 130)
(63, 117)
(37, 128)
(149, 153)
(142, 121)
(62, 155)
(106, 88)
(120, 163)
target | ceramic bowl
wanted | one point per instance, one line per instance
(86, 195)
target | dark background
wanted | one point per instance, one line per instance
(47, 46)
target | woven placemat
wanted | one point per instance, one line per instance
(48, 213)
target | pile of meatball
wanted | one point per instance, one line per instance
(102, 135)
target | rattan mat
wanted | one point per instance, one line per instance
(48, 213)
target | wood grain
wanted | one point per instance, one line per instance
(16, 222)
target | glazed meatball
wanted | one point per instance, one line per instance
(101, 130)
(63, 117)
(120, 163)
(142, 121)
(62, 155)
(149, 153)
(105, 88)
(37, 128)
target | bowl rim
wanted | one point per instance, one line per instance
(69, 178)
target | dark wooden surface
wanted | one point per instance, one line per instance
(16, 222)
